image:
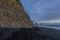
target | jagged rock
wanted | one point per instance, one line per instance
(12, 15)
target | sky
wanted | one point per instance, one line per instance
(42, 10)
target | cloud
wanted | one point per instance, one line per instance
(46, 10)
(43, 9)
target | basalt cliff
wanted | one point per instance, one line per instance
(12, 15)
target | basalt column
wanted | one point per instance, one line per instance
(12, 15)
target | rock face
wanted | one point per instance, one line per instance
(12, 15)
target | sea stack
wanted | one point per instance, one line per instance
(12, 15)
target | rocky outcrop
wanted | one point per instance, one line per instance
(12, 15)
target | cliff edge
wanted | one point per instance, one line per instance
(12, 15)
